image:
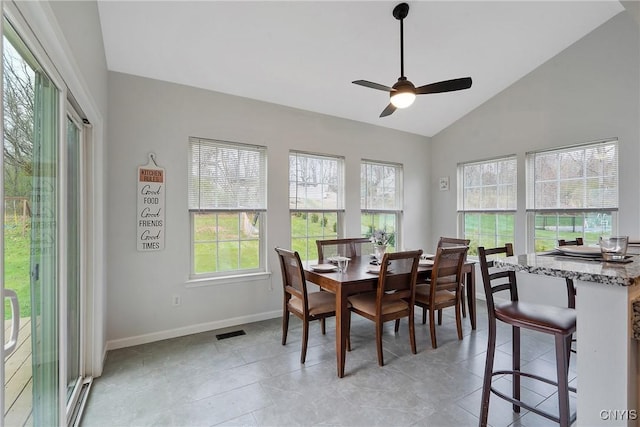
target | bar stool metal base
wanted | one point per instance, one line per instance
(520, 404)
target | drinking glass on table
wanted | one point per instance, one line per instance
(343, 263)
(614, 248)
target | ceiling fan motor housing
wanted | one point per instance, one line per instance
(403, 85)
(403, 93)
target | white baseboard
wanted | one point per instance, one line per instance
(191, 329)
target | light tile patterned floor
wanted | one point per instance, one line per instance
(252, 380)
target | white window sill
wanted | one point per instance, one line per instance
(225, 280)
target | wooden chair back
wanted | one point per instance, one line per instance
(453, 242)
(293, 280)
(447, 271)
(397, 279)
(495, 281)
(349, 247)
(447, 242)
(577, 242)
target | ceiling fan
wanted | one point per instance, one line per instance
(403, 93)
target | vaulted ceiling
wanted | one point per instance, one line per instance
(305, 54)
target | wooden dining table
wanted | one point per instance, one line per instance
(356, 280)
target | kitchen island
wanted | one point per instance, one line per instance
(607, 353)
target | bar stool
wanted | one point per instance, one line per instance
(557, 321)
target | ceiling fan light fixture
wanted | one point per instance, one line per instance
(402, 99)
(403, 93)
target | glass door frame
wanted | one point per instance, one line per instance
(72, 115)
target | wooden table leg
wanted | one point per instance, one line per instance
(341, 330)
(471, 295)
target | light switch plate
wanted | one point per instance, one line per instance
(444, 183)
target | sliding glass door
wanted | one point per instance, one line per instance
(42, 260)
(45, 290)
(31, 171)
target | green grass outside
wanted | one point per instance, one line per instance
(488, 230)
(222, 245)
(491, 230)
(16, 265)
(306, 228)
(226, 242)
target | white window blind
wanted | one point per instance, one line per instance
(380, 186)
(489, 185)
(226, 176)
(316, 182)
(575, 178)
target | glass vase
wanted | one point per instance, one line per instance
(379, 251)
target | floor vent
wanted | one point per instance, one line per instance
(231, 334)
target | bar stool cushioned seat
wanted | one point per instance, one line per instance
(539, 317)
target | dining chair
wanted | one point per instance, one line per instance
(308, 306)
(447, 242)
(349, 247)
(394, 297)
(571, 287)
(559, 322)
(444, 288)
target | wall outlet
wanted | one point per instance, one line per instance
(176, 300)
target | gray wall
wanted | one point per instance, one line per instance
(588, 92)
(80, 23)
(152, 116)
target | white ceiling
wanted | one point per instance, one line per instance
(305, 54)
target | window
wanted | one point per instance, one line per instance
(227, 202)
(381, 199)
(572, 192)
(487, 201)
(316, 200)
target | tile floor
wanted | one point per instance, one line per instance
(252, 380)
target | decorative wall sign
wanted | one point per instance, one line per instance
(444, 183)
(150, 221)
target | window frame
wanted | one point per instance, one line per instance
(338, 209)
(610, 209)
(366, 207)
(508, 210)
(201, 208)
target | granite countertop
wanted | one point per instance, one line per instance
(548, 264)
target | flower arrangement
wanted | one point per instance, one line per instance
(380, 237)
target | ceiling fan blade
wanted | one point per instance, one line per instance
(388, 111)
(372, 85)
(445, 86)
